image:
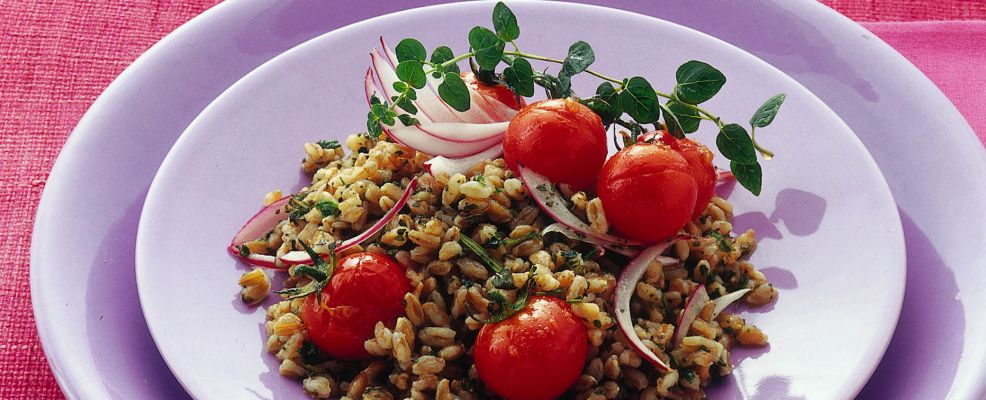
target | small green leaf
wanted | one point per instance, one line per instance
(748, 175)
(735, 144)
(405, 104)
(505, 22)
(441, 55)
(519, 76)
(487, 46)
(410, 49)
(551, 85)
(697, 82)
(454, 92)
(766, 113)
(683, 119)
(408, 120)
(382, 113)
(411, 72)
(606, 103)
(400, 86)
(327, 207)
(580, 57)
(640, 101)
(329, 144)
(373, 125)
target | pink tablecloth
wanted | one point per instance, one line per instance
(58, 55)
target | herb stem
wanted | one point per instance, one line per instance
(557, 61)
(767, 154)
(457, 59)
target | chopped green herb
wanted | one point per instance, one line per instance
(329, 144)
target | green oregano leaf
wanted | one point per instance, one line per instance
(735, 144)
(640, 101)
(551, 85)
(373, 127)
(410, 71)
(684, 119)
(405, 104)
(605, 103)
(505, 22)
(441, 55)
(766, 113)
(579, 58)
(408, 120)
(453, 91)
(487, 46)
(329, 144)
(697, 82)
(410, 49)
(748, 175)
(519, 76)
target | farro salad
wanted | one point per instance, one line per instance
(471, 245)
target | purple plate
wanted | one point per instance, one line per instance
(938, 350)
(825, 207)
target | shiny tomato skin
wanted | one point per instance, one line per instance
(699, 160)
(364, 289)
(648, 191)
(499, 92)
(558, 138)
(534, 355)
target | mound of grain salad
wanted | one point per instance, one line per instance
(470, 244)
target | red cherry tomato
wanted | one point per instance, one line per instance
(699, 158)
(648, 191)
(535, 355)
(365, 288)
(559, 138)
(499, 92)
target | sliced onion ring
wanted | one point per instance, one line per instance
(723, 175)
(262, 260)
(571, 234)
(387, 76)
(461, 132)
(415, 139)
(552, 202)
(724, 301)
(301, 257)
(258, 225)
(461, 165)
(626, 285)
(693, 306)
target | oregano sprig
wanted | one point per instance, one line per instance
(696, 82)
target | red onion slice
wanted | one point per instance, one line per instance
(428, 99)
(460, 132)
(387, 76)
(626, 285)
(301, 257)
(724, 301)
(693, 306)
(262, 260)
(723, 175)
(461, 165)
(552, 202)
(412, 137)
(258, 225)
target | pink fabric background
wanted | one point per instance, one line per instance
(58, 55)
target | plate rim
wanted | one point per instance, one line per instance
(887, 199)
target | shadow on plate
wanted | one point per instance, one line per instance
(114, 318)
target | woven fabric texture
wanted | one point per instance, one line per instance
(58, 55)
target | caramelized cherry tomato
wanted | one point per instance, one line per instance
(499, 92)
(365, 288)
(648, 191)
(534, 355)
(559, 138)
